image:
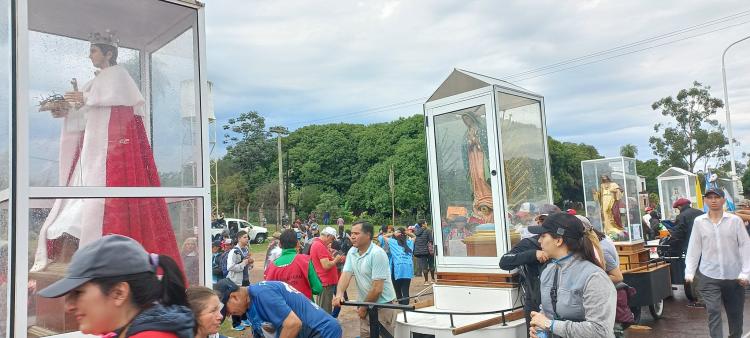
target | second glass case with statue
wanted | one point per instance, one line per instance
(610, 189)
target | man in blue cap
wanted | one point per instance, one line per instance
(282, 309)
(718, 255)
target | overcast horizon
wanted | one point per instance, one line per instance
(300, 63)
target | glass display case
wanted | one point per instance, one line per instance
(489, 169)
(675, 183)
(106, 134)
(610, 190)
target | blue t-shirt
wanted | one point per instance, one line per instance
(273, 301)
(401, 261)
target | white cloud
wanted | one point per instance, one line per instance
(297, 61)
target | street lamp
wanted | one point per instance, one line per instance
(735, 181)
(282, 208)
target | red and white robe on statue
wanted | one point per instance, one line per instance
(104, 144)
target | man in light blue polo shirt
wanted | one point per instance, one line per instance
(368, 263)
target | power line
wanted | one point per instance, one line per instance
(378, 109)
(634, 51)
(520, 76)
(634, 44)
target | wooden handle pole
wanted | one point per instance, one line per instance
(478, 325)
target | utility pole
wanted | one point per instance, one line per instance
(392, 186)
(282, 208)
(736, 184)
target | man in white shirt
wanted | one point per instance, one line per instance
(721, 244)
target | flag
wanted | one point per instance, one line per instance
(698, 194)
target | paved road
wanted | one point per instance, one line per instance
(679, 320)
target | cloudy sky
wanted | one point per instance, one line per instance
(311, 62)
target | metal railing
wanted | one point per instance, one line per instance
(377, 329)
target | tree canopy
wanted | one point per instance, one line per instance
(693, 135)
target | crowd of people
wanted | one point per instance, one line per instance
(114, 288)
(572, 282)
(570, 276)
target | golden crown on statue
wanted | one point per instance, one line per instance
(106, 38)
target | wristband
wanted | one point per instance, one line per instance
(552, 326)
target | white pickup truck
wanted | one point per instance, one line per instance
(257, 234)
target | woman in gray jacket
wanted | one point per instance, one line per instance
(578, 298)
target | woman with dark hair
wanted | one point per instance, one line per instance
(112, 289)
(206, 308)
(578, 298)
(400, 250)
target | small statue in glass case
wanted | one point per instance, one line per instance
(608, 197)
(482, 206)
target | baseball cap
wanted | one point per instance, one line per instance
(561, 224)
(216, 243)
(225, 287)
(329, 231)
(681, 201)
(109, 256)
(716, 191)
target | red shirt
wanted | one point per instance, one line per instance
(318, 251)
(294, 274)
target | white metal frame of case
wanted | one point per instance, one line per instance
(482, 96)
(624, 187)
(22, 193)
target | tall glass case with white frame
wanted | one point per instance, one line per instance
(109, 136)
(489, 169)
(675, 183)
(610, 189)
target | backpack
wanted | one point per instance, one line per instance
(306, 248)
(216, 264)
(223, 260)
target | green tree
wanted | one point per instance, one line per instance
(694, 135)
(330, 202)
(565, 164)
(651, 169)
(251, 148)
(629, 150)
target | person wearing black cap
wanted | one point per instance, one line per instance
(578, 298)
(111, 288)
(283, 310)
(719, 255)
(527, 256)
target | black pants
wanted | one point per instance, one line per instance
(402, 289)
(726, 292)
(237, 320)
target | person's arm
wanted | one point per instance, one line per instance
(315, 284)
(381, 270)
(743, 240)
(679, 232)
(599, 303)
(343, 284)
(521, 254)
(693, 253)
(317, 251)
(615, 275)
(234, 266)
(375, 291)
(327, 263)
(291, 327)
